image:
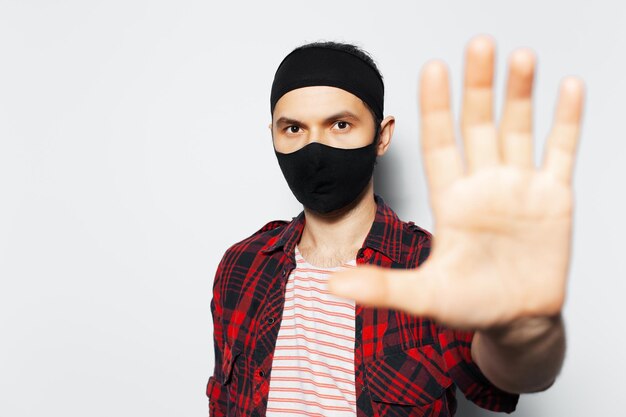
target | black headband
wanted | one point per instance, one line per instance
(331, 67)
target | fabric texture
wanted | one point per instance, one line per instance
(404, 365)
(313, 364)
(324, 178)
(319, 65)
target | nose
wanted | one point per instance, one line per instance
(317, 134)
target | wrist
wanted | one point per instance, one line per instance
(523, 331)
(524, 356)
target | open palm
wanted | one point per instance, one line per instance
(502, 226)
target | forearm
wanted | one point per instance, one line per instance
(523, 357)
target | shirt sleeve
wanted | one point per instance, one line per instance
(456, 349)
(215, 391)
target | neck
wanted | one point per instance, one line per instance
(340, 233)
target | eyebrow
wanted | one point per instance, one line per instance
(341, 115)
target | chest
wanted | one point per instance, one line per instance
(390, 348)
(327, 257)
(255, 299)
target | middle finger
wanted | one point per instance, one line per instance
(477, 125)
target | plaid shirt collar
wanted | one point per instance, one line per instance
(385, 235)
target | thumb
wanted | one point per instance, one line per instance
(409, 290)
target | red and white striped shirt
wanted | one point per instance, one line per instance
(313, 365)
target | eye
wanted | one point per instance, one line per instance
(342, 125)
(293, 129)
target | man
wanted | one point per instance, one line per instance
(397, 338)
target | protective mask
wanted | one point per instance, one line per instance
(324, 178)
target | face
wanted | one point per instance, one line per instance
(328, 115)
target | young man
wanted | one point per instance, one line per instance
(397, 338)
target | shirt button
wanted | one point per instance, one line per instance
(270, 320)
(261, 373)
(284, 272)
(363, 388)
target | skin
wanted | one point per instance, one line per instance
(503, 227)
(502, 234)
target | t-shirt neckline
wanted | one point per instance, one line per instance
(344, 264)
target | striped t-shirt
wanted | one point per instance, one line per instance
(313, 364)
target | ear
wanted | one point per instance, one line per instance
(386, 131)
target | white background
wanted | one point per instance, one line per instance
(134, 150)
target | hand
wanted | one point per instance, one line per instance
(502, 227)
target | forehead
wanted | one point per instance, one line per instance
(317, 101)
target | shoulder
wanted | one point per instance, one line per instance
(414, 235)
(390, 220)
(416, 243)
(412, 228)
(246, 249)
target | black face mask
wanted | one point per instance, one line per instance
(324, 178)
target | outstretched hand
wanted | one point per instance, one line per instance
(502, 226)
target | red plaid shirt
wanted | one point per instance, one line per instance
(404, 365)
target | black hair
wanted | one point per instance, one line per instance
(359, 53)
